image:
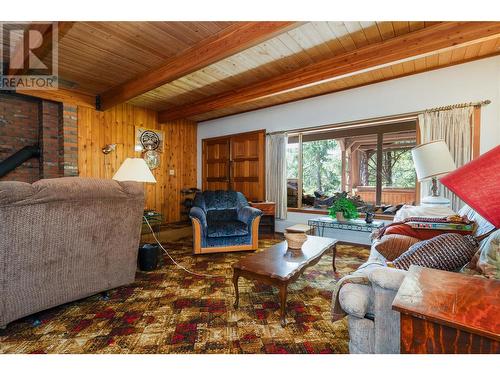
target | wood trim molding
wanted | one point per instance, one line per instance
(62, 96)
(431, 40)
(229, 41)
(219, 137)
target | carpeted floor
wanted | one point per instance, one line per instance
(169, 311)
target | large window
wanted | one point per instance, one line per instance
(322, 166)
(293, 162)
(372, 162)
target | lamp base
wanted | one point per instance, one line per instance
(149, 257)
(435, 201)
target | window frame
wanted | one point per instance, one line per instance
(352, 130)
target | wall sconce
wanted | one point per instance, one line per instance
(108, 148)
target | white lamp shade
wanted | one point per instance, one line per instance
(432, 159)
(134, 169)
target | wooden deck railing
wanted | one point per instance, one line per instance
(392, 196)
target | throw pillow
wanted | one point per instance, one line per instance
(489, 258)
(448, 252)
(392, 246)
(406, 230)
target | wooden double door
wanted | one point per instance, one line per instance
(236, 162)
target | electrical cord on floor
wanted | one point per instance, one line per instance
(173, 260)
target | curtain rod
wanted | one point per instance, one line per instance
(379, 120)
(461, 105)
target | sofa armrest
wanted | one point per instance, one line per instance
(198, 214)
(199, 220)
(356, 299)
(248, 214)
(387, 278)
(385, 283)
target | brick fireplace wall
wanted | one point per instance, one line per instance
(26, 121)
(19, 127)
(50, 143)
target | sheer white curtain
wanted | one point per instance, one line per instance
(276, 172)
(454, 127)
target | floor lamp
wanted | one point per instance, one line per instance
(136, 169)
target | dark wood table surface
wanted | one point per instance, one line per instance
(280, 266)
(447, 312)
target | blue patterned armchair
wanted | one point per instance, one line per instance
(223, 221)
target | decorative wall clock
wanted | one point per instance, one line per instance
(148, 139)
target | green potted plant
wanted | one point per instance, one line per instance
(343, 208)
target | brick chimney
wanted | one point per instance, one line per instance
(27, 121)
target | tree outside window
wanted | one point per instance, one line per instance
(324, 173)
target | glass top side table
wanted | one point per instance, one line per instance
(358, 225)
(155, 219)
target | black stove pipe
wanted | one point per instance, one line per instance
(18, 158)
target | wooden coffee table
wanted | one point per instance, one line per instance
(279, 266)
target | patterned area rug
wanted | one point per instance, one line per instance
(170, 311)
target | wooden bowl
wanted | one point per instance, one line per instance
(295, 240)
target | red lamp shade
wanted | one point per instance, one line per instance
(478, 184)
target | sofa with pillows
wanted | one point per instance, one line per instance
(366, 296)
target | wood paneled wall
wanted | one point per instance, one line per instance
(117, 125)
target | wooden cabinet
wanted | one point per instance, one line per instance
(267, 220)
(216, 162)
(447, 312)
(235, 162)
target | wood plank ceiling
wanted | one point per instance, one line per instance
(97, 57)
(308, 43)
(440, 60)
(295, 49)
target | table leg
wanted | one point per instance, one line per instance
(334, 253)
(283, 295)
(236, 276)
